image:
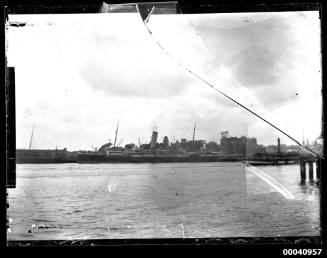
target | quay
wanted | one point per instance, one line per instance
(306, 164)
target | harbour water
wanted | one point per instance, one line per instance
(167, 200)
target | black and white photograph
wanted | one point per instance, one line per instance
(144, 121)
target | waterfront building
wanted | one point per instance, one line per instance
(192, 146)
(105, 147)
(165, 142)
(224, 134)
(154, 138)
(130, 146)
(43, 156)
(212, 146)
(242, 145)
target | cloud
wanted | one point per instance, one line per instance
(180, 113)
(263, 51)
(255, 66)
(121, 67)
(83, 75)
(27, 113)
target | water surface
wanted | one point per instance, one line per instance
(168, 200)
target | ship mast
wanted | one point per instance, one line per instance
(31, 138)
(194, 131)
(116, 134)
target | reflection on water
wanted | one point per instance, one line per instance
(70, 201)
(309, 188)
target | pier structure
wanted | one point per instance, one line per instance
(308, 163)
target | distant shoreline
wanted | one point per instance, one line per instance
(64, 156)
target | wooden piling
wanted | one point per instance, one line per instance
(302, 169)
(318, 168)
(310, 170)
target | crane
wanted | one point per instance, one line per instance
(194, 131)
(31, 137)
(116, 134)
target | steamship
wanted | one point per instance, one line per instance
(151, 155)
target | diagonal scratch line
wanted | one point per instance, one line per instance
(219, 91)
(270, 181)
(148, 17)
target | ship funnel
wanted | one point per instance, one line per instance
(154, 140)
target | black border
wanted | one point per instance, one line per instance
(257, 244)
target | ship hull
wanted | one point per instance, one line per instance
(99, 158)
(44, 156)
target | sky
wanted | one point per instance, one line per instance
(78, 74)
